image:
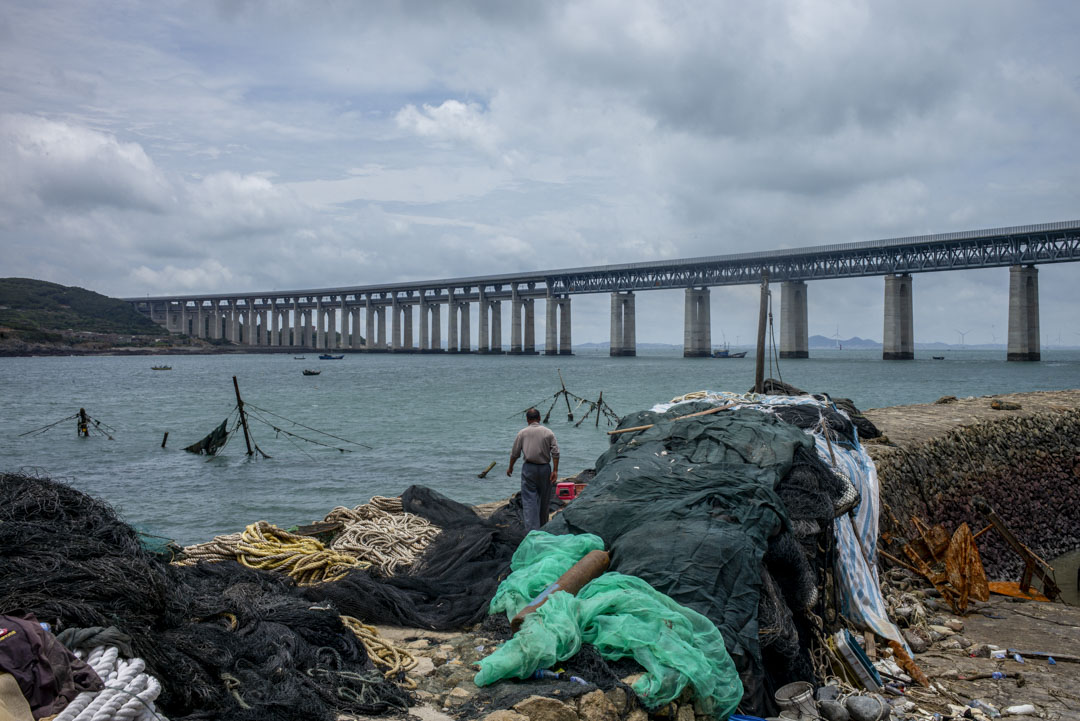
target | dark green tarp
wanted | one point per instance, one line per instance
(213, 442)
(689, 507)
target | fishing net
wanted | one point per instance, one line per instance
(224, 640)
(212, 442)
(624, 616)
(864, 425)
(450, 585)
(741, 501)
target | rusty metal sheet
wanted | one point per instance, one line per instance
(964, 568)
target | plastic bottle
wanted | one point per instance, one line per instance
(45, 626)
(1020, 709)
(578, 679)
(983, 706)
(545, 674)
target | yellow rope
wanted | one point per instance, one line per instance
(393, 661)
(307, 561)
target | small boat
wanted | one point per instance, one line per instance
(161, 368)
(938, 357)
(725, 352)
(309, 372)
(327, 356)
(298, 357)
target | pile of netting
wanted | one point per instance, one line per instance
(748, 502)
(224, 641)
(379, 534)
(450, 585)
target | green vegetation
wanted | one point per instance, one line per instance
(34, 306)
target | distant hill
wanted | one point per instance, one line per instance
(820, 342)
(36, 305)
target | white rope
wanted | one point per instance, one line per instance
(128, 695)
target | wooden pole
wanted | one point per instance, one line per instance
(566, 396)
(164, 438)
(483, 473)
(706, 412)
(243, 416)
(763, 316)
(599, 408)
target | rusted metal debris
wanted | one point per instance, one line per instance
(951, 564)
(1034, 567)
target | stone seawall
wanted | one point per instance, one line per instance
(1024, 461)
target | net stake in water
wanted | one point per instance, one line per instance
(763, 315)
(243, 416)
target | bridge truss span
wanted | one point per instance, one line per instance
(1026, 245)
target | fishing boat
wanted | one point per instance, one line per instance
(298, 357)
(938, 357)
(725, 352)
(327, 356)
(161, 368)
(309, 372)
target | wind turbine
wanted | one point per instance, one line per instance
(962, 334)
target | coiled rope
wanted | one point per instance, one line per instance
(128, 695)
(379, 533)
(265, 546)
(385, 539)
(394, 662)
(304, 559)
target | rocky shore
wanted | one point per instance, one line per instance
(1020, 452)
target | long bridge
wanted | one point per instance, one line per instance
(354, 317)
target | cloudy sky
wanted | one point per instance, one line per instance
(182, 147)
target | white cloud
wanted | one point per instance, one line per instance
(219, 146)
(56, 164)
(452, 121)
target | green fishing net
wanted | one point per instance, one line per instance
(537, 563)
(621, 616)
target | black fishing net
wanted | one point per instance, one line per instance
(226, 642)
(450, 586)
(727, 493)
(863, 425)
(212, 442)
(578, 675)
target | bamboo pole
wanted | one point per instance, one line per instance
(763, 314)
(243, 416)
(566, 396)
(707, 411)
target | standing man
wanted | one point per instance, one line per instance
(539, 471)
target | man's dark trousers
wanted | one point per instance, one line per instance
(535, 494)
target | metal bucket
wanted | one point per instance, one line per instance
(796, 701)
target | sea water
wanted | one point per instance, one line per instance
(436, 420)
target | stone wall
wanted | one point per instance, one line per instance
(1026, 466)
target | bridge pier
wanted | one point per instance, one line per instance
(794, 332)
(899, 336)
(490, 337)
(457, 330)
(1024, 314)
(557, 339)
(522, 325)
(623, 325)
(697, 324)
(395, 326)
